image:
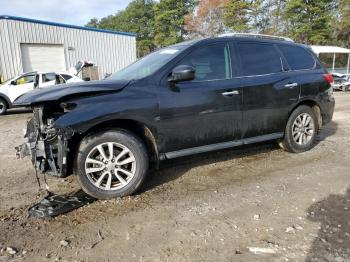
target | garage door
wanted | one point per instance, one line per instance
(43, 57)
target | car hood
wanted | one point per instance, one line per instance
(61, 92)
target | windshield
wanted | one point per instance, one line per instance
(6, 82)
(10, 79)
(148, 64)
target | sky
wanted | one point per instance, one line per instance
(75, 12)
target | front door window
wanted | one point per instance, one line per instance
(210, 62)
(25, 80)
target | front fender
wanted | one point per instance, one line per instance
(92, 111)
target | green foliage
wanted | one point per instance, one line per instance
(156, 24)
(309, 21)
(343, 25)
(138, 17)
(170, 21)
(93, 23)
(159, 23)
(236, 15)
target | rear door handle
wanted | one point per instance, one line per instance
(230, 93)
(291, 85)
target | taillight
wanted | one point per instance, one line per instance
(328, 78)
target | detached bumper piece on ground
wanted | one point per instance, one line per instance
(54, 205)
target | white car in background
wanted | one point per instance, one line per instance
(19, 85)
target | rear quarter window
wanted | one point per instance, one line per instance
(66, 77)
(297, 57)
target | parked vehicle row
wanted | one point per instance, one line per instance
(26, 82)
(19, 85)
(341, 82)
(189, 98)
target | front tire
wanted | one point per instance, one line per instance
(111, 164)
(3, 106)
(301, 130)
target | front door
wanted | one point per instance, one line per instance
(206, 110)
(20, 86)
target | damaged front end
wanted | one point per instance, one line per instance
(46, 145)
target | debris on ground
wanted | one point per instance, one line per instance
(54, 205)
(298, 227)
(11, 250)
(262, 250)
(100, 239)
(64, 243)
(290, 230)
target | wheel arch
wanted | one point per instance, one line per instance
(315, 107)
(141, 130)
(7, 100)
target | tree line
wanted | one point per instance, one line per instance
(165, 22)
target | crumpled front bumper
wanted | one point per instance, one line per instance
(47, 155)
(27, 149)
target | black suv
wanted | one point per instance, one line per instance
(185, 99)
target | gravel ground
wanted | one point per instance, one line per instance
(255, 203)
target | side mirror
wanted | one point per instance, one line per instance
(182, 73)
(13, 83)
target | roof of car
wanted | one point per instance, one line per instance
(45, 72)
(263, 38)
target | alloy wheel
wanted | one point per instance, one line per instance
(2, 107)
(110, 166)
(303, 129)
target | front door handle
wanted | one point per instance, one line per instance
(291, 85)
(230, 93)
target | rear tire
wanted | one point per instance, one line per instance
(3, 106)
(301, 130)
(111, 164)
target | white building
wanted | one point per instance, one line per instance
(33, 45)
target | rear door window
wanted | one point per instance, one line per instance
(49, 77)
(297, 57)
(258, 58)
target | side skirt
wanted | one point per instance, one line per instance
(218, 146)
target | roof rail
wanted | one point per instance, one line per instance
(257, 36)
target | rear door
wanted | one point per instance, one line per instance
(303, 68)
(206, 110)
(47, 80)
(268, 88)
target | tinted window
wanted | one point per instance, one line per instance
(297, 57)
(66, 77)
(259, 59)
(211, 62)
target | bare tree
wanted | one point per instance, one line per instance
(206, 20)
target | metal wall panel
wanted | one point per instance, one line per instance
(111, 52)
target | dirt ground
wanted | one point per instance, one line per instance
(255, 203)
